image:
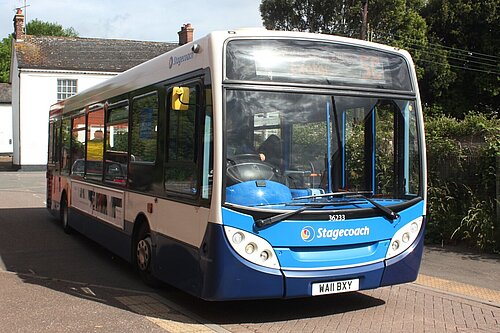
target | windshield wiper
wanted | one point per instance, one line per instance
(277, 218)
(389, 213)
(332, 194)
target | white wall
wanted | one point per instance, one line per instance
(14, 75)
(5, 128)
(38, 91)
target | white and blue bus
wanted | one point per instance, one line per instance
(250, 164)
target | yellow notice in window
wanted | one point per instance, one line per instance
(180, 98)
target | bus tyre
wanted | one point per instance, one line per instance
(64, 215)
(143, 254)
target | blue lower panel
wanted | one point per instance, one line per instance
(215, 272)
(404, 267)
(226, 276)
(299, 283)
(177, 264)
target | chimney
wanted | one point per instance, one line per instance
(186, 34)
(19, 25)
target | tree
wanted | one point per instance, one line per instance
(36, 28)
(322, 16)
(454, 43)
(41, 28)
(5, 48)
(393, 22)
(469, 29)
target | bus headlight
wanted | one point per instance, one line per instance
(251, 247)
(238, 238)
(404, 237)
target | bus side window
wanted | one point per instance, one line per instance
(115, 167)
(57, 143)
(65, 146)
(51, 143)
(181, 162)
(78, 146)
(143, 145)
(208, 141)
(95, 144)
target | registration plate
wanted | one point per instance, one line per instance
(335, 287)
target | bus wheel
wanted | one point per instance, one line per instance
(144, 256)
(64, 215)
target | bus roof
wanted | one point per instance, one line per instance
(175, 62)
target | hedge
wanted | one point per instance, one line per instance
(462, 176)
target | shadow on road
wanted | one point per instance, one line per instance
(269, 311)
(33, 245)
(32, 242)
(465, 253)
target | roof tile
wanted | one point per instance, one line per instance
(86, 54)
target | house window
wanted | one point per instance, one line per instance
(65, 88)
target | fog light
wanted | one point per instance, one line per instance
(406, 237)
(264, 255)
(250, 248)
(414, 227)
(238, 238)
(395, 245)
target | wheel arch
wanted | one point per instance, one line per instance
(140, 221)
(142, 228)
(64, 194)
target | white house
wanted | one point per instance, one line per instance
(46, 69)
(5, 119)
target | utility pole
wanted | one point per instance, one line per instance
(364, 23)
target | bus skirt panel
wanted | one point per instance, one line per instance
(227, 276)
(404, 267)
(114, 239)
(299, 283)
(177, 264)
(400, 269)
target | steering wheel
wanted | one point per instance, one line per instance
(245, 167)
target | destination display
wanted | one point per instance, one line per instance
(312, 62)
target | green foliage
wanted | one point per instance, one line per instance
(435, 32)
(41, 28)
(444, 210)
(477, 227)
(459, 214)
(470, 25)
(120, 141)
(305, 138)
(461, 157)
(314, 15)
(5, 52)
(355, 154)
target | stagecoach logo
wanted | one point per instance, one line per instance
(307, 234)
(179, 60)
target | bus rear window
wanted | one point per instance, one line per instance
(313, 62)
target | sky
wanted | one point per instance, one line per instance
(148, 20)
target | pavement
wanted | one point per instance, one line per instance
(53, 283)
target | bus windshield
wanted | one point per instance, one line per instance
(281, 146)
